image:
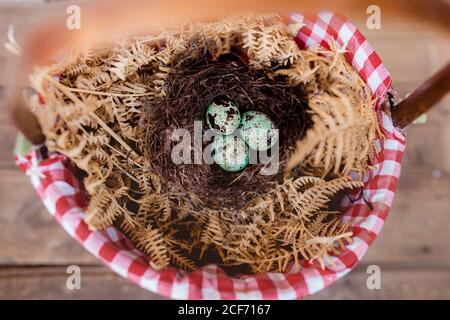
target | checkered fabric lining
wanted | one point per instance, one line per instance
(62, 194)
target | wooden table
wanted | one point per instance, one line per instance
(413, 250)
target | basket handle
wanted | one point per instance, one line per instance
(24, 119)
(422, 99)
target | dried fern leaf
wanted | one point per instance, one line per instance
(338, 142)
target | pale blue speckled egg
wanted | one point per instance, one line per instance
(223, 116)
(258, 130)
(230, 153)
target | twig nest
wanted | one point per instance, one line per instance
(258, 130)
(223, 116)
(230, 153)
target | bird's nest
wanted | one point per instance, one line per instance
(195, 82)
(112, 109)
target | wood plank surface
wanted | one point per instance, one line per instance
(28, 234)
(100, 283)
(413, 249)
(396, 283)
(50, 283)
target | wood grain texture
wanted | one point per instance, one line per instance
(413, 249)
(396, 283)
(50, 283)
(28, 234)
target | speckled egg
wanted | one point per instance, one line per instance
(223, 116)
(258, 130)
(230, 153)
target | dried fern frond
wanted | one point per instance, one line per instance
(319, 194)
(128, 60)
(268, 40)
(104, 208)
(151, 242)
(153, 207)
(341, 140)
(181, 260)
(213, 232)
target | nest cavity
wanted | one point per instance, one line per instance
(195, 82)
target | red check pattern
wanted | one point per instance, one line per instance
(63, 195)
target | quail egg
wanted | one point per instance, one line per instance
(230, 153)
(223, 116)
(258, 130)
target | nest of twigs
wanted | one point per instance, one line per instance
(197, 80)
(112, 108)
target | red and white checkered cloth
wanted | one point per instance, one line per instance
(62, 194)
